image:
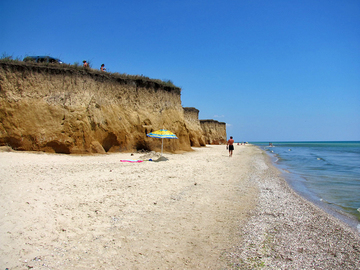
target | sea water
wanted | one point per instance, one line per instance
(327, 173)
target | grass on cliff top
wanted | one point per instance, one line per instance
(6, 59)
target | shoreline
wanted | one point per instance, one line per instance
(198, 210)
(291, 232)
(292, 180)
(334, 211)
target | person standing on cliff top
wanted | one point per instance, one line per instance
(102, 68)
(85, 64)
(230, 145)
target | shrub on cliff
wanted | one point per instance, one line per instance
(6, 59)
(9, 58)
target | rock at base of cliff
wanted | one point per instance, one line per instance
(96, 147)
(6, 149)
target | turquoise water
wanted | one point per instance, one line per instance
(326, 172)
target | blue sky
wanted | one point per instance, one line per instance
(272, 70)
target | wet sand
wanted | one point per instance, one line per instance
(198, 210)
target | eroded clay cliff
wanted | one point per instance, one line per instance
(214, 131)
(196, 134)
(46, 108)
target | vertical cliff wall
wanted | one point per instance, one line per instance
(192, 122)
(45, 108)
(214, 131)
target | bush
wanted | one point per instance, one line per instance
(77, 66)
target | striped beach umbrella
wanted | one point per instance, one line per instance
(162, 134)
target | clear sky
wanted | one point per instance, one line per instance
(279, 70)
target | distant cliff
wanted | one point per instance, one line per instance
(64, 110)
(214, 131)
(196, 134)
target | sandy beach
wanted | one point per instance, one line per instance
(198, 210)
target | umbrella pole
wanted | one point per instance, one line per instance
(162, 141)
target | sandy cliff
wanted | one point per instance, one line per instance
(214, 131)
(63, 110)
(196, 133)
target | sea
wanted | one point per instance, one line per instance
(325, 173)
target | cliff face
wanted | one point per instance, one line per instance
(192, 122)
(74, 111)
(214, 131)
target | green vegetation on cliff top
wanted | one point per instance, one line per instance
(5, 59)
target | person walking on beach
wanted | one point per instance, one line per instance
(230, 145)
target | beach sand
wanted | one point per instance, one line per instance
(198, 210)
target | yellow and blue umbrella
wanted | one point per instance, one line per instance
(162, 134)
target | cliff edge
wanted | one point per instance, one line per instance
(214, 131)
(196, 133)
(64, 110)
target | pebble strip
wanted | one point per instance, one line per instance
(285, 231)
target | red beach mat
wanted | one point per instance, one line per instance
(131, 160)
